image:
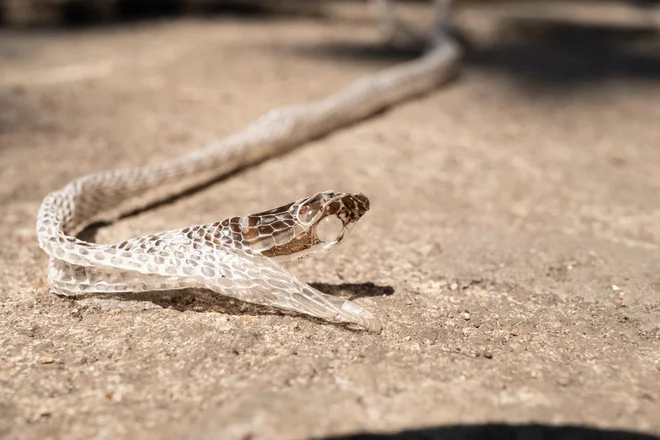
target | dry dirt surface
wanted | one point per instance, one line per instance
(512, 249)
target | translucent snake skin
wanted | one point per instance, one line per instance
(240, 256)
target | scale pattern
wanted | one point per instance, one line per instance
(241, 256)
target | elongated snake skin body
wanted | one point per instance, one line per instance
(240, 256)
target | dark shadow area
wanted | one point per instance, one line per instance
(552, 54)
(355, 52)
(538, 54)
(383, 52)
(77, 13)
(262, 9)
(354, 290)
(136, 10)
(496, 431)
(70, 14)
(202, 300)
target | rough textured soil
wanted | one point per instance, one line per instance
(512, 249)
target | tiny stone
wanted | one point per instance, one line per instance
(453, 286)
(47, 360)
(488, 354)
(466, 316)
(430, 336)
(615, 288)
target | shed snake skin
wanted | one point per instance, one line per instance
(238, 257)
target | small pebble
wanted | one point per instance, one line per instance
(488, 354)
(466, 316)
(615, 288)
(453, 286)
(47, 360)
(430, 336)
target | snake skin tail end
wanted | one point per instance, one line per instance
(362, 316)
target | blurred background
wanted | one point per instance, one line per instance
(81, 12)
(586, 26)
(614, 37)
(86, 12)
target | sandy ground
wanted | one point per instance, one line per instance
(512, 249)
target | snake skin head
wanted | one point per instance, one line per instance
(319, 223)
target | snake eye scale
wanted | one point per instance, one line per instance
(240, 256)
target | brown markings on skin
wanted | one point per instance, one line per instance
(241, 231)
(363, 203)
(348, 208)
(354, 207)
(281, 225)
(298, 244)
(348, 203)
(265, 230)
